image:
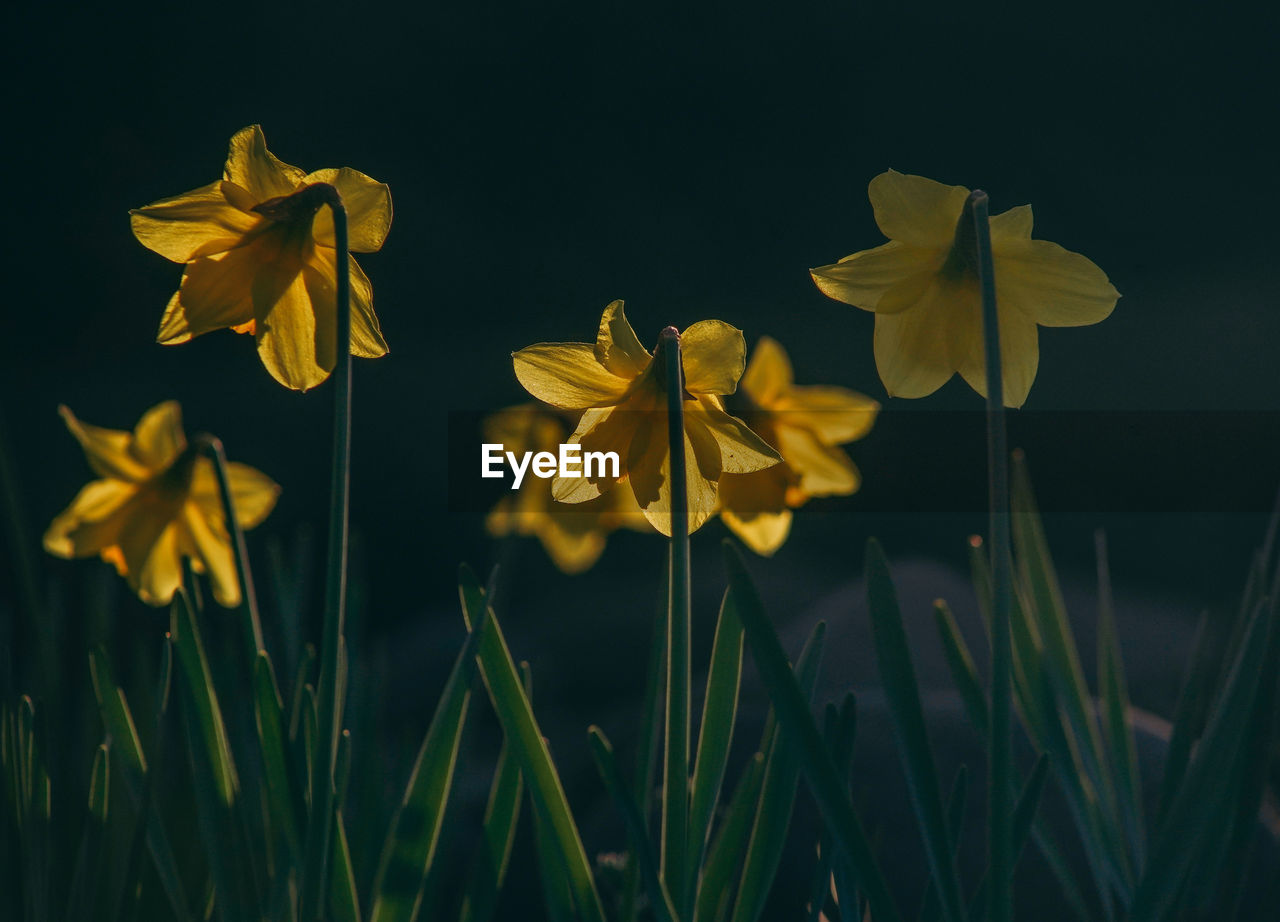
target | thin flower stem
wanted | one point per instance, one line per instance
(999, 764)
(211, 447)
(329, 704)
(675, 776)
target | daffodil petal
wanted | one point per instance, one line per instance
(208, 543)
(158, 438)
(617, 347)
(1020, 357)
(915, 210)
(92, 521)
(824, 470)
(320, 274)
(1013, 225)
(600, 430)
(834, 414)
(568, 375)
(1053, 286)
(107, 450)
(297, 347)
(764, 533)
(197, 223)
(221, 291)
(864, 278)
(256, 170)
(768, 374)
(154, 561)
(650, 471)
(368, 205)
(253, 493)
(916, 350)
(741, 450)
(572, 538)
(714, 355)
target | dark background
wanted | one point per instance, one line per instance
(545, 159)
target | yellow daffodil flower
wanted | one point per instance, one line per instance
(621, 389)
(573, 535)
(260, 258)
(805, 424)
(923, 288)
(158, 502)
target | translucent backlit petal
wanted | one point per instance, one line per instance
(741, 449)
(915, 210)
(617, 347)
(197, 223)
(824, 470)
(918, 349)
(764, 532)
(155, 565)
(92, 522)
(650, 472)
(768, 374)
(107, 450)
(208, 543)
(863, 278)
(1013, 225)
(834, 414)
(297, 341)
(256, 170)
(568, 375)
(1020, 357)
(714, 356)
(320, 276)
(158, 437)
(368, 205)
(1053, 286)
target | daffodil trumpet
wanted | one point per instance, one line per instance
(675, 783)
(211, 447)
(973, 246)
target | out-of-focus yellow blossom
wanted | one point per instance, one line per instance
(805, 424)
(158, 502)
(923, 288)
(622, 390)
(260, 258)
(573, 535)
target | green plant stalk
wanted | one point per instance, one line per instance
(675, 776)
(211, 447)
(329, 706)
(999, 761)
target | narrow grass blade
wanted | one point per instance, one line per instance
(1190, 713)
(116, 716)
(1114, 695)
(641, 847)
(929, 905)
(715, 890)
(1024, 814)
(828, 789)
(489, 868)
(344, 902)
(556, 893)
(1202, 797)
(415, 831)
(777, 796)
(525, 738)
(720, 710)
(898, 675)
(960, 662)
(282, 801)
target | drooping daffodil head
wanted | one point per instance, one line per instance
(620, 387)
(157, 502)
(573, 534)
(923, 288)
(806, 424)
(260, 258)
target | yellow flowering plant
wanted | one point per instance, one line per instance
(261, 257)
(924, 289)
(573, 535)
(620, 387)
(806, 424)
(157, 502)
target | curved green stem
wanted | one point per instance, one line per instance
(999, 766)
(329, 705)
(675, 776)
(211, 447)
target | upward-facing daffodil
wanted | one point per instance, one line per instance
(621, 388)
(923, 288)
(260, 258)
(806, 424)
(158, 502)
(573, 535)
